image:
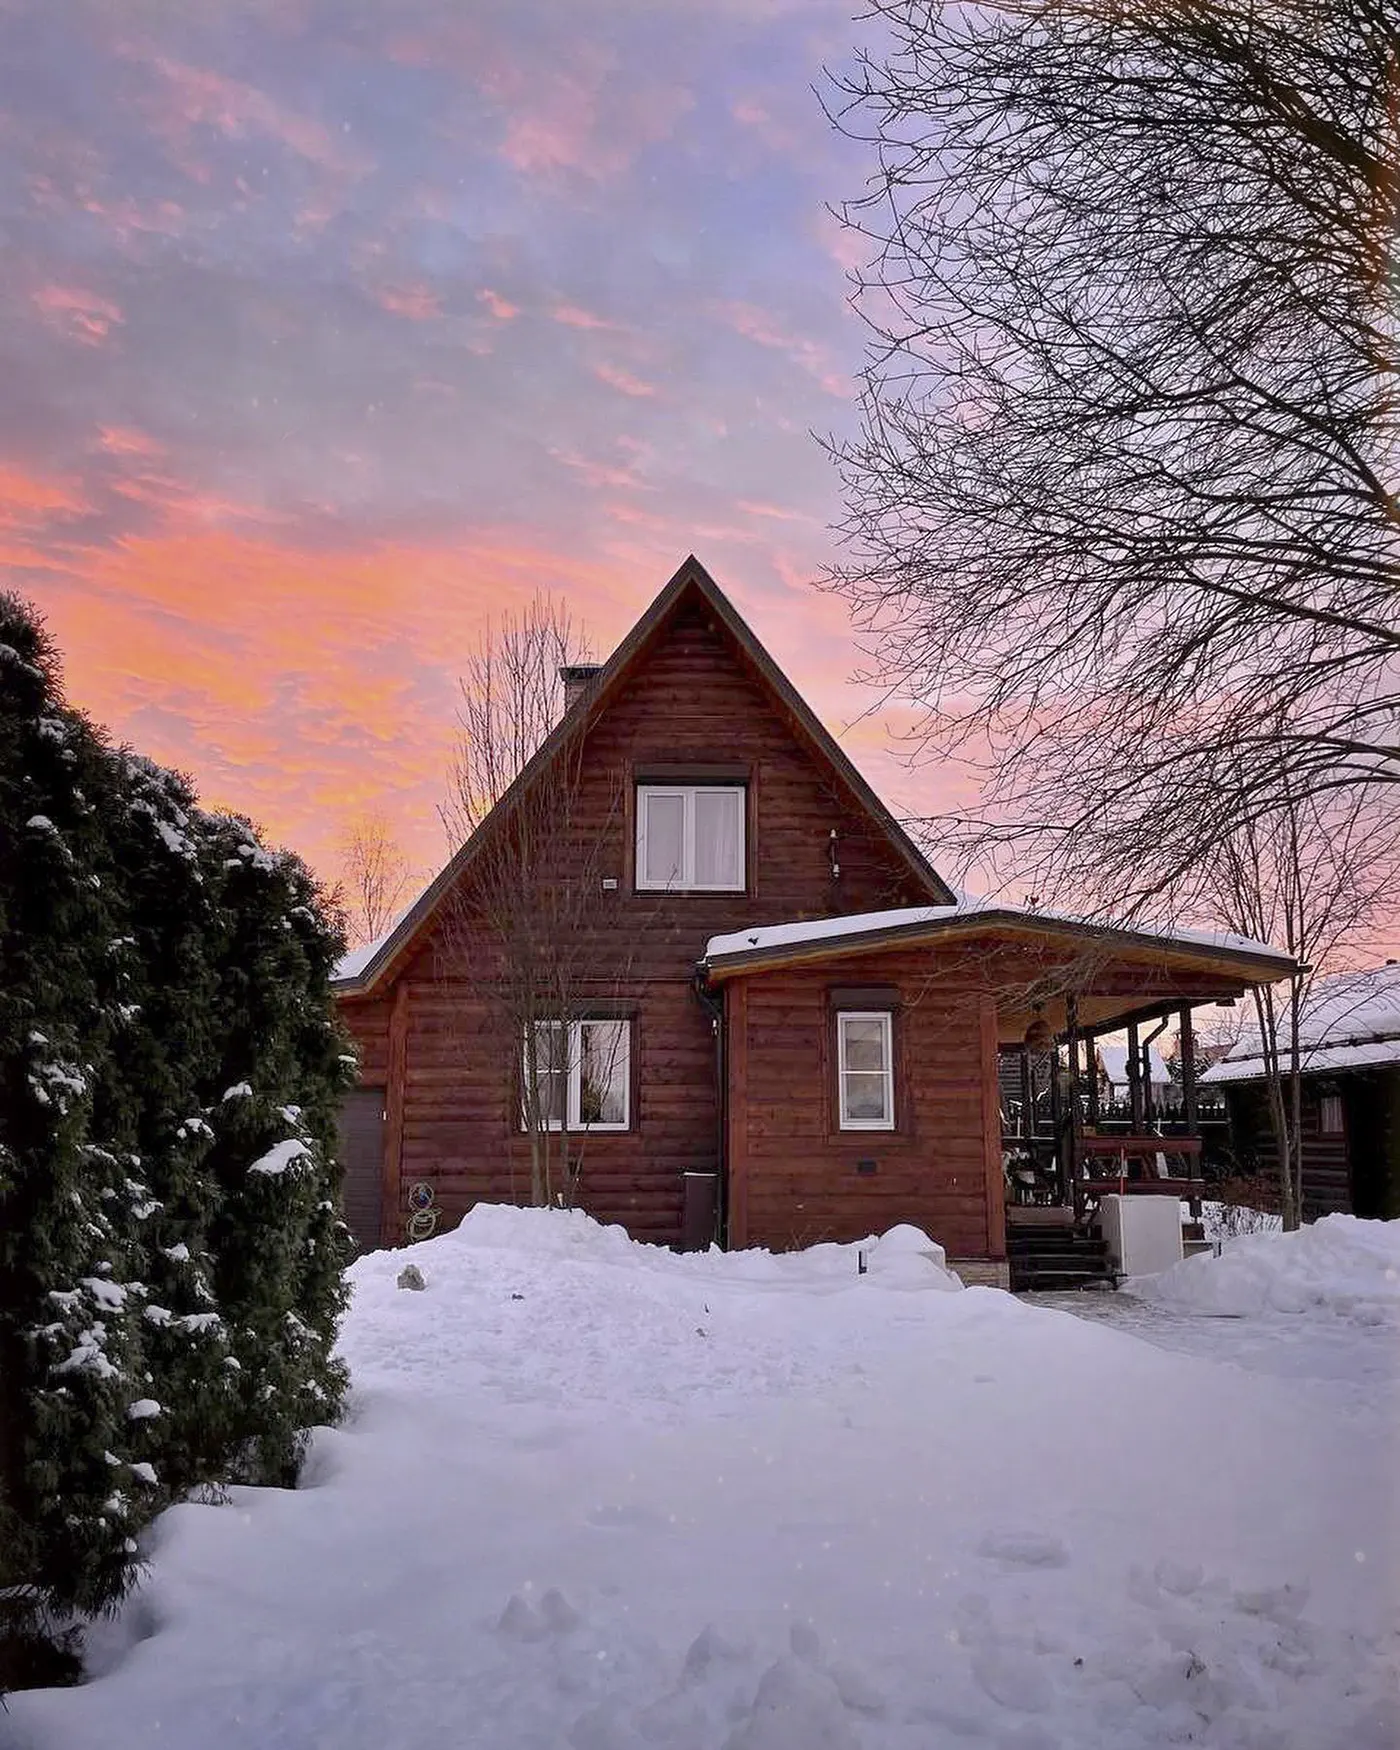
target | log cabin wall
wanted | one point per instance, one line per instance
(692, 704)
(796, 1178)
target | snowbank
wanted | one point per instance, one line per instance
(592, 1495)
(904, 1257)
(1340, 1265)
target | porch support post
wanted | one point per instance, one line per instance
(1186, 1046)
(1071, 1154)
(1135, 1079)
(1091, 1071)
(1027, 1093)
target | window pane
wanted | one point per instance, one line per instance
(551, 1073)
(661, 830)
(865, 1097)
(603, 1072)
(865, 1045)
(719, 838)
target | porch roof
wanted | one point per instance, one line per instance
(1204, 966)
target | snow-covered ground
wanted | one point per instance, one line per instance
(596, 1497)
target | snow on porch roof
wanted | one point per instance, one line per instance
(802, 940)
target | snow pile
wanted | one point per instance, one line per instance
(1341, 1265)
(904, 1256)
(592, 1495)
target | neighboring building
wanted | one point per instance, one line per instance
(800, 1020)
(1349, 1033)
(1115, 1086)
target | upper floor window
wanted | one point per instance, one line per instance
(865, 1069)
(690, 837)
(582, 1075)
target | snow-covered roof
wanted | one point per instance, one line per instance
(351, 965)
(1348, 1021)
(765, 939)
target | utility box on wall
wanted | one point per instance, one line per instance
(1143, 1234)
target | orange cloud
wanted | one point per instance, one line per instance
(79, 315)
(300, 685)
(29, 499)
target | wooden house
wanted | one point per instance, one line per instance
(1349, 1035)
(801, 1021)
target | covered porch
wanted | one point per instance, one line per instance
(981, 1021)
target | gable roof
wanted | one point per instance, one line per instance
(365, 968)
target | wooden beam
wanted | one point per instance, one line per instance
(390, 1218)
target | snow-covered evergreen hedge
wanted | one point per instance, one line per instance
(170, 1070)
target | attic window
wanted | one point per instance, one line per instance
(690, 838)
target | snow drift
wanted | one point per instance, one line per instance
(1340, 1265)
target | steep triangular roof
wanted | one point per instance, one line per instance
(368, 968)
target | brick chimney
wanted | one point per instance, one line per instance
(578, 679)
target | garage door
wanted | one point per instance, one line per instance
(362, 1158)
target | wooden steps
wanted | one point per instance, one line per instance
(1048, 1258)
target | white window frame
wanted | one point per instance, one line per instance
(1330, 1106)
(688, 794)
(886, 1020)
(573, 1097)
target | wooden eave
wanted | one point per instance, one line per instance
(691, 577)
(1237, 967)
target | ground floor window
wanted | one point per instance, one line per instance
(865, 1069)
(581, 1074)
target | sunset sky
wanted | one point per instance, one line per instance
(331, 326)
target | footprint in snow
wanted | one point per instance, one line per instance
(1013, 1679)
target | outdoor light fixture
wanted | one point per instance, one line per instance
(1038, 1035)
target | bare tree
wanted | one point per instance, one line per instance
(1314, 879)
(375, 877)
(529, 911)
(1121, 514)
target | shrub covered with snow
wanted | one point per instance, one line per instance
(1341, 1265)
(167, 1309)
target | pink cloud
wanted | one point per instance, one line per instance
(416, 303)
(79, 315)
(574, 317)
(497, 305)
(758, 326)
(126, 440)
(618, 378)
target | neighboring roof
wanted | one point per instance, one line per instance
(1348, 1021)
(691, 577)
(815, 938)
(1113, 1056)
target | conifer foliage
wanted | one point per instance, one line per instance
(170, 1071)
